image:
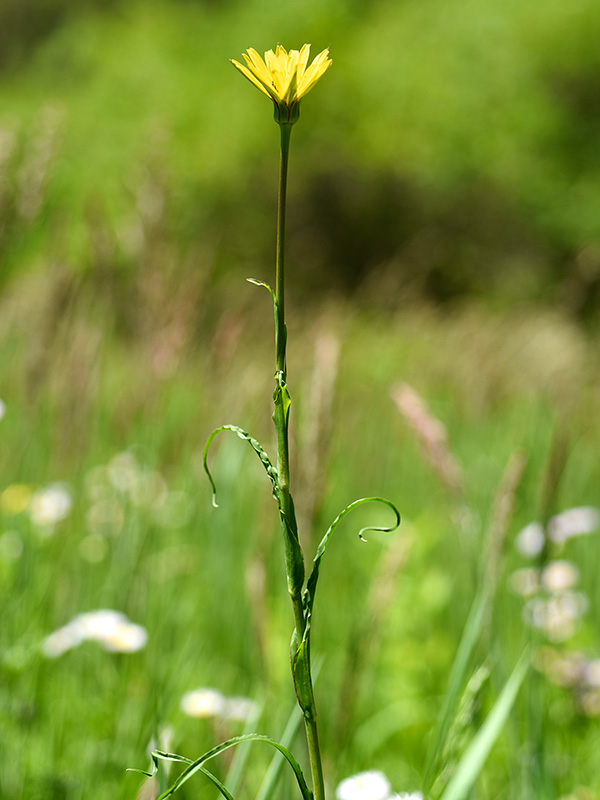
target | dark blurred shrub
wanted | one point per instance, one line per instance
(24, 23)
(449, 154)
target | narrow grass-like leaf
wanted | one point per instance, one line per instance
(198, 765)
(235, 772)
(155, 755)
(479, 612)
(477, 752)
(455, 684)
(309, 595)
(266, 286)
(273, 772)
(254, 444)
(292, 727)
(278, 331)
(220, 786)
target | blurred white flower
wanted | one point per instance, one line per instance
(61, 640)
(525, 582)
(2, 409)
(49, 505)
(238, 709)
(125, 638)
(589, 703)
(97, 625)
(149, 489)
(371, 785)
(123, 471)
(407, 796)
(592, 674)
(573, 522)
(530, 540)
(111, 629)
(558, 576)
(203, 703)
(105, 517)
(565, 669)
(176, 510)
(558, 616)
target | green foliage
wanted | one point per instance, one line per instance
(455, 156)
(455, 151)
(189, 576)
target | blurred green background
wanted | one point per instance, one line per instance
(444, 230)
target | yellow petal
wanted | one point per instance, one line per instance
(284, 76)
(303, 59)
(251, 77)
(318, 67)
(257, 65)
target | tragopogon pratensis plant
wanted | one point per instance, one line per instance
(285, 78)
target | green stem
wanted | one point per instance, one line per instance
(293, 553)
(280, 333)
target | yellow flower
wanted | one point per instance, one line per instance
(284, 77)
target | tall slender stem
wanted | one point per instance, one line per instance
(294, 559)
(280, 333)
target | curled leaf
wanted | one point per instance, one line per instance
(254, 444)
(198, 765)
(309, 594)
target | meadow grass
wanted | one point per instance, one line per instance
(125, 338)
(194, 577)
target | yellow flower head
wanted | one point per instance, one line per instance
(284, 77)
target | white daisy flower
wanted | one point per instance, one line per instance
(100, 624)
(371, 785)
(125, 638)
(530, 540)
(559, 576)
(407, 796)
(61, 640)
(203, 703)
(592, 674)
(525, 582)
(574, 522)
(123, 471)
(111, 629)
(558, 616)
(49, 505)
(238, 709)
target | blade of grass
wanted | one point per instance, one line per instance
(455, 683)
(275, 768)
(198, 765)
(273, 772)
(477, 752)
(238, 763)
(480, 609)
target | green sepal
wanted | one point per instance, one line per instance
(284, 114)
